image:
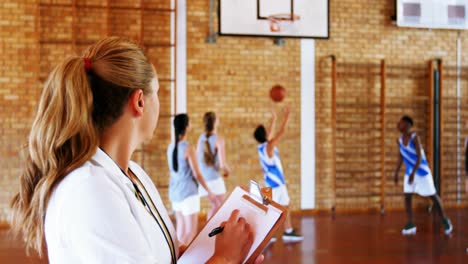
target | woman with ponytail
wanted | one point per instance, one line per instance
(212, 159)
(185, 175)
(81, 199)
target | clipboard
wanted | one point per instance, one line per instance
(264, 216)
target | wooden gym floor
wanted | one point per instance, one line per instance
(349, 238)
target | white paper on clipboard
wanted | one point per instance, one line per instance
(261, 223)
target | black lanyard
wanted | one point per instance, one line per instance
(160, 222)
(162, 225)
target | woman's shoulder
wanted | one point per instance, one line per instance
(81, 188)
(87, 179)
(84, 174)
(83, 200)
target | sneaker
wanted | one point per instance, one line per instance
(273, 240)
(409, 229)
(447, 226)
(292, 236)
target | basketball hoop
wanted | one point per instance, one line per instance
(282, 22)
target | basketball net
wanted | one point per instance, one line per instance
(282, 22)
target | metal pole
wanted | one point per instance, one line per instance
(211, 37)
(382, 135)
(458, 119)
(333, 117)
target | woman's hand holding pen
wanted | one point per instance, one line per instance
(234, 242)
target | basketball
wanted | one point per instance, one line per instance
(277, 93)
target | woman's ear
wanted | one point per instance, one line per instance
(136, 102)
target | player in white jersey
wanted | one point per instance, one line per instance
(270, 161)
(418, 176)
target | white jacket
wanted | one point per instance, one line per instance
(93, 216)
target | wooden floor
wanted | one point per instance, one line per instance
(349, 238)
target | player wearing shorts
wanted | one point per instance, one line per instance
(273, 169)
(183, 185)
(418, 176)
(211, 153)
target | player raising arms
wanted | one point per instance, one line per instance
(273, 169)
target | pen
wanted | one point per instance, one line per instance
(216, 231)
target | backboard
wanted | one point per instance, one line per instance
(274, 18)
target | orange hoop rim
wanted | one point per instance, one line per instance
(279, 21)
(284, 17)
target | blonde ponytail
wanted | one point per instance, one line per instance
(209, 119)
(62, 138)
(73, 109)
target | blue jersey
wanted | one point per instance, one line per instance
(272, 168)
(410, 157)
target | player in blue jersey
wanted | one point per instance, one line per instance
(418, 176)
(270, 161)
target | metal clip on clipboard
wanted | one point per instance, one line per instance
(262, 195)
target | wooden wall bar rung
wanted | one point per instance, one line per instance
(454, 76)
(159, 44)
(89, 42)
(165, 80)
(131, 8)
(56, 42)
(406, 76)
(368, 65)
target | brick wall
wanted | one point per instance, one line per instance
(19, 88)
(36, 35)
